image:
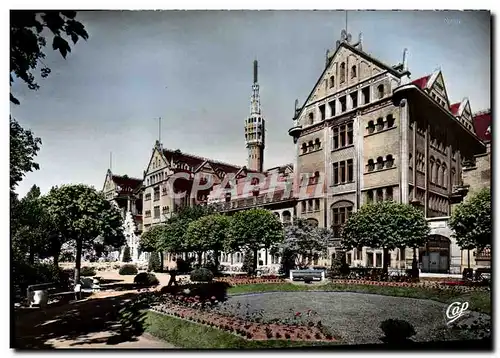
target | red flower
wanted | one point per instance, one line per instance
(297, 314)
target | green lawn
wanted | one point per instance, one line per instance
(479, 301)
(185, 334)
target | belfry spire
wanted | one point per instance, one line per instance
(255, 101)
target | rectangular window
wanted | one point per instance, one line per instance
(310, 205)
(378, 259)
(350, 170)
(316, 204)
(369, 259)
(349, 134)
(359, 254)
(354, 99)
(388, 193)
(335, 173)
(342, 172)
(332, 108)
(348, 259)
(336, 143)
(147, 197)
(365, 92)
(343, 104)
(322, 110)
(147, 213)
(156, 194)
(369, 196)
(342, 136)
(156, 212)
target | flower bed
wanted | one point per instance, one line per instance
(246, 329)
(246, 280)
(455, 285)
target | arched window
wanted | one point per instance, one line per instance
(453, 177)
(389, 161)
(431, 169)
(380, 124)
(371, 127)
(437, 177)
(380, 90)
(311, 118)
(341, 211)
(380, 163)
(287, 217)
(342, 72)
(444, 173)
(313, 222)
(390, 121)
(353, 71)
(332, 81)
(371, 165)
(304, 148)
(317, 144)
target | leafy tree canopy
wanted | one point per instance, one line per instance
(24, 146)
(471, 221)
(387, 225)
(254, 229)
(151, 239)
(82, 214)
(29, 32)
(208, 233)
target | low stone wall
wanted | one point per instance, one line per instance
(103, 266)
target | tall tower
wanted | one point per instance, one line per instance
(255, 127)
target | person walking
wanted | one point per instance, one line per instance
(172, 270)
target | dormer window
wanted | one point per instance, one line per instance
(342, 72)
(311, 118)
(353, 72)
(332, 81)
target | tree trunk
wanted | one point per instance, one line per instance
(414, 265)
(216, 261)
(200, 258)
(161, 261)
(31, 258)
(56, 260)
(255, 258)
(468, 258)
(78, 260)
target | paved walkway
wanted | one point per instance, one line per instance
(90, 323)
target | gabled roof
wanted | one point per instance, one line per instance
(422, 82)
(175, 156)
(357, 52)
(126, 183)
(454, 108)
(482, 123)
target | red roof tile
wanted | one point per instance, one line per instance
(481, 123)
(422, 81)
(454, 108)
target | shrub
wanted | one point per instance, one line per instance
(128, 269)
(467, 274)
(339, 266)
(154, 263)
(87, 271)
(397, 330)
(201, 275)
(184, 266)
(248, 262)
(205, 290)
(126, 254)
(146, 279)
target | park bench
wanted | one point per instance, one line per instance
(39, 294)
(307, 275)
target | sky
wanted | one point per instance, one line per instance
(194, 69)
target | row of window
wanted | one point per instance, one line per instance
(381, 124)
(343, 135)
(311, 146)
(438, 99)
(343, 172)
(365, 94)
(439, 173)
(380, 163)
(380, 194)
(438, 204)
(341, 212)
(310, 206)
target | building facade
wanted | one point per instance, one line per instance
(369, 133)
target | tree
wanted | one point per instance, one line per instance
(471, 222)
(154, 263)
(254, 229)
(303, 241)
(208, 233)
(28, 38)
(81, 215)
(248, 265)
(126, 254)
(24, 146)
(387, 225)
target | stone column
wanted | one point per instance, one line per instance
(358, 139)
